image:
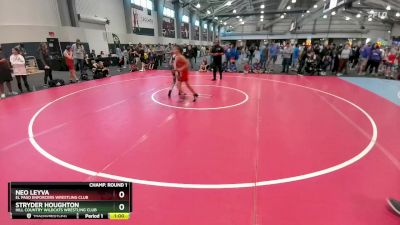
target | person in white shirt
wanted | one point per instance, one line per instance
(19, 70)
(286, 55)
(118, 52)
(78, 51)
(125, 54)
(344, 57)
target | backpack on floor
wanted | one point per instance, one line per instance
(84, 75)
(56, 83)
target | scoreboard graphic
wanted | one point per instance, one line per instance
(70, 200)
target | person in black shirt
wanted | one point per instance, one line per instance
(195, 50)
(217, 52)
(185, 51)
(5, 76)
(44, 57)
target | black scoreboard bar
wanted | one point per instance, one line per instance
(70, 200)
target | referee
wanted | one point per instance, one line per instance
(217, 52)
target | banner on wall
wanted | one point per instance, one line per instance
(185, 30)
(196, 33)
(116, 39)
(143, 22)
(168, 27)
(204, 35)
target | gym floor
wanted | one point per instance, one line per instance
(254, 149)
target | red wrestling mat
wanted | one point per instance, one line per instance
(252, 150)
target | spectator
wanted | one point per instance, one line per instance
(263, 56)
(5, 76)
(365, 52)
(19, 70)
(78, 51)
(100, 71)
(326, 58)
(302, 60)
(204, 66)
(125, 55)
(159, 53)
(195, 53)
(44, 58)
(344, 57)
(375, 60)
(272, 56)
(295, 58)
(118, 52)
(233, 67)
(286, 55)
(152, 60)
(92, 54)
(246, 68)
(257, 66)
(391, 59)
(225, 66)
(335, 56)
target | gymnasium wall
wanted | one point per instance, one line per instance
(111, 9)
(32, 23)
(33, 13)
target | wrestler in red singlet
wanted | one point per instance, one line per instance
(182, 66)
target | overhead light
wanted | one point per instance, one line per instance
(198, 5)
(288, 7)
(388, 8)
(282, 16)
(333, 13)
(315, 6)
(261, 19)
(397, 14)
(262, 16)
(262, 6)
(225, 23)
(372, 11)
(370, 19)
(389, 31)
(238, 17)
(208, 12)
(262, 12)
(358, 15)
(229, 3)
(215, 18)
(242, 22)
(220, 21)
(302, 15)
(325, 16)
(293, 1)
(347, 18)
(234, 11)
(308, 11)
